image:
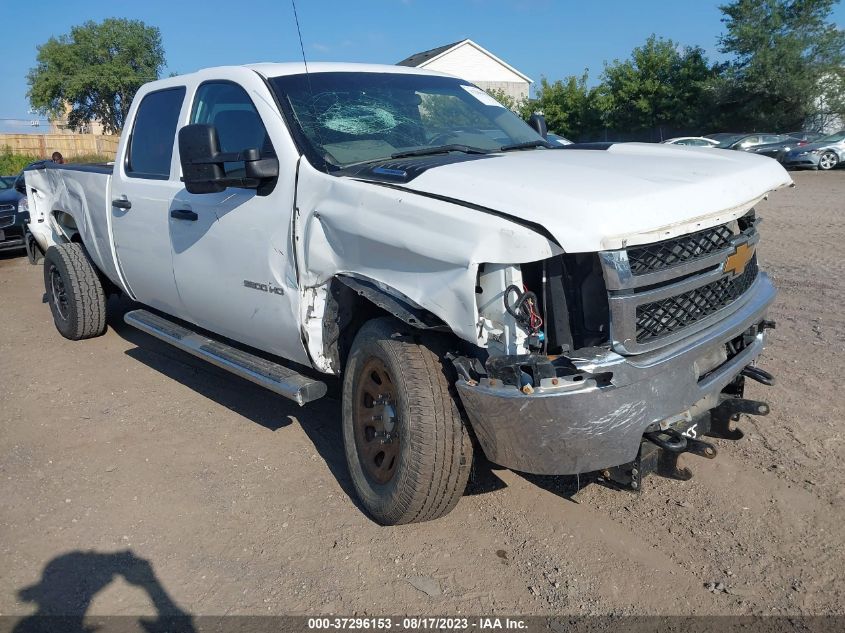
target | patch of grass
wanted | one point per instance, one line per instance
(11, 163)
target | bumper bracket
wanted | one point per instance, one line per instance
(660, 450)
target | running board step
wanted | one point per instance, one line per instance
(273, 376)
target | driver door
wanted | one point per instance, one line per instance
(232, 255)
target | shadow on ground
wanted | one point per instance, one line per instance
(322, 425)
(565, 486)
(322, 420)
(70, 582)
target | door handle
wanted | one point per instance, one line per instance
(184, 214)
(121, 203)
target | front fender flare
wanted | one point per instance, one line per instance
(394, 302)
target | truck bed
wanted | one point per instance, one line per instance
(83, 190)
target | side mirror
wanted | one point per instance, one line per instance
(538, 122)
(203, 168)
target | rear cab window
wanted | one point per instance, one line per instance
(154, 133)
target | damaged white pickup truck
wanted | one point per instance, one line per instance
(566, 309)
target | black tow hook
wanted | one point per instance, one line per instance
(760, 375)
(669, 440)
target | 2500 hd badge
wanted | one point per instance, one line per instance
(264, 287)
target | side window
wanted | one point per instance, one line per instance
(153, 134)
(229, 109)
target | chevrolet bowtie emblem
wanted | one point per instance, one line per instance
(738, 260)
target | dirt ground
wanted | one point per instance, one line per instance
(120, 450)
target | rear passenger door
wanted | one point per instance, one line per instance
(232, 254)
(142, 188)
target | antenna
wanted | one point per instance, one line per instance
(307, 77)
(299, 32)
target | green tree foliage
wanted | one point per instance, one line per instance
(570, 107)
(522, 107)
(95, 70)
(659, 85)
(787, 63)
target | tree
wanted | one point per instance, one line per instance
(95, 71)
(570, 107)
(660, 85)
(523, 108)
(787, 64)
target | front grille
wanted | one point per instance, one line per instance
(661, 255)
(7, 220)
(666, 316)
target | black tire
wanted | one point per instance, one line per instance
(828, 161)
(433, 455)
(33, 251)
(74, 292)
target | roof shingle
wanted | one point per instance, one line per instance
(418, 58)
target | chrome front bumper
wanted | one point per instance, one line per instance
(579, 426)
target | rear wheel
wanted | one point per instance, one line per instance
(408, 451)
(74, 292)
(828, 161)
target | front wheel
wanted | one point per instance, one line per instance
(74, 292)
(408, 451)
(828, 161)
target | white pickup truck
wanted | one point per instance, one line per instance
(564, 309)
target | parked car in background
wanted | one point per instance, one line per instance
(14, 213)
(725, 138)
(692, 141)
(6, 182)
(776, 150)
(745, 143)
(824, 154)
(557, 138)
(807, 137)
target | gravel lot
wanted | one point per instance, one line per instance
(120, 450)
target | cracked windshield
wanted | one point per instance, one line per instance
(349, 118)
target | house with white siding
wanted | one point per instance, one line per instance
(468, 60)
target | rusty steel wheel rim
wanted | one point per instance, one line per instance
(375, 420)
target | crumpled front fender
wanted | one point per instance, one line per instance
(427, 249)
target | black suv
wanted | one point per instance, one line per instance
(13, 215)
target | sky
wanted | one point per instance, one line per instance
(541, 38)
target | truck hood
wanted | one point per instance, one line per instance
(601, 199)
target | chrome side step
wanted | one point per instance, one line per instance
(273, 376)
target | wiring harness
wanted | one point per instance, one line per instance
(524, 308)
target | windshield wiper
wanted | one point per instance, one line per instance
(527, 145)
(440, 149)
